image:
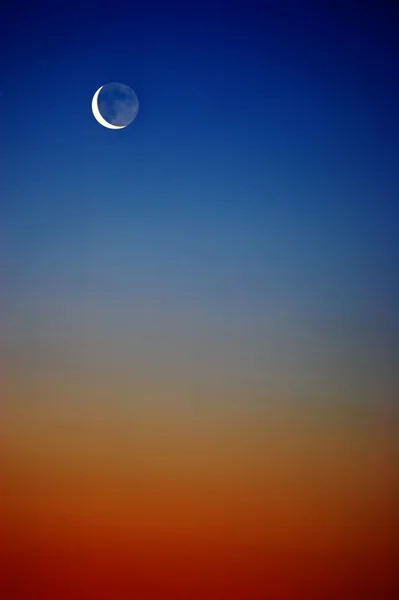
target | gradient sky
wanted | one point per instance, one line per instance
(257, 189)
(227, 262)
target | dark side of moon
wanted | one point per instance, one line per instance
(118, 104)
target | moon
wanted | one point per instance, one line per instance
(115, 105)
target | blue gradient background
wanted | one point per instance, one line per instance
(224, 271)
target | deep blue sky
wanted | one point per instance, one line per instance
(259, 182)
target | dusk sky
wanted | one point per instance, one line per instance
(199, 313)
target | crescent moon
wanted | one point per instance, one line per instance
(98, 116)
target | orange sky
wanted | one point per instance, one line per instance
(88, 486)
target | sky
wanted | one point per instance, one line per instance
(198, 315)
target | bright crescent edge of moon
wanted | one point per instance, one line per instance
(98, 116)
